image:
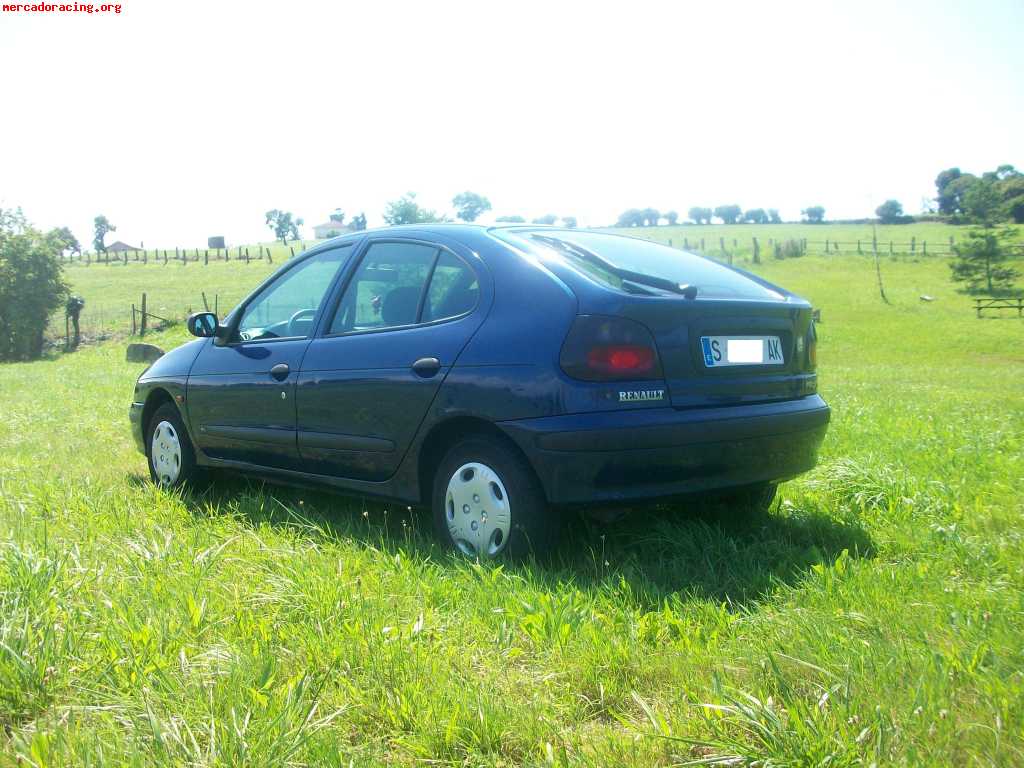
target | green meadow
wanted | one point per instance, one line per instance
(874, 616)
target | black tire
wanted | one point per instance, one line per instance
(188, 472)
(532, 528)
(744, 502)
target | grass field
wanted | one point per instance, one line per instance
(876, 616)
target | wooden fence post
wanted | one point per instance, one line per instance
(702, 245)
(913, 244)
(292, 249)
(206, 257)
(165, 257)
(757, 252)
(826, 246)
(950, 243)
(890, 248)
(686, 243)
(142, 326)
(133, 320)
(246, 255)
(859, 251)
(924, 247)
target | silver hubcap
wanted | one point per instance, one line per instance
(165, 453)
(477, 510)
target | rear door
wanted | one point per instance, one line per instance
(241, 395)
(367, 381)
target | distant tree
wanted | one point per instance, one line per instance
(283, 224)
(981, 258)
(889, 212)
(946, 201)
(632, 217)
(32, 286)
(700, 215)
(469, 205)
(1006, 171)
(101, 226)
(406, 210)
(548, 218)
(755, 216)
(1012, 189)
(650, 216)
(773, 216)
(338, 217)
(981, 202)
(729, 214)
(569, 222)
(814, 214)
(671, 217)
(511, 219)
(358, 223)
(66, 239)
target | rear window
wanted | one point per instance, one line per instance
(645, 258)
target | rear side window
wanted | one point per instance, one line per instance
(453, 289)
(646, 258)
(385, 291)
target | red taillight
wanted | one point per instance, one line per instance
(621, 359)
(609, 348)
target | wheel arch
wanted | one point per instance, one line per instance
(444, 435)
(157, 397)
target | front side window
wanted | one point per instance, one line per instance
(286, 308)
(387, 289)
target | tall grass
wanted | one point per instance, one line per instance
(875, 616)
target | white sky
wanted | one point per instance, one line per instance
(184, 119)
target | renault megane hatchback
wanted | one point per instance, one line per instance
(495, 375)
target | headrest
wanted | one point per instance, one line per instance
(400, 305)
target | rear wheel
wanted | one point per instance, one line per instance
(172, 462)
(487, 502)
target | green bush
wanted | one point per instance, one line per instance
(789, 249)
(31, 286)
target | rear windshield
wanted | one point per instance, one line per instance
(644, 258)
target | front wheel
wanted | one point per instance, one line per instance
(172, 462)
(487, 502)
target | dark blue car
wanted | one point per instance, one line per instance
(496, 375)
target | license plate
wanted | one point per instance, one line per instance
(741, 350)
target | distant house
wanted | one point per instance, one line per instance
(330, 228)
(119, 247)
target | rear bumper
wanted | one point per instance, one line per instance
(650, 453)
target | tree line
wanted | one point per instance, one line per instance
(726, 214)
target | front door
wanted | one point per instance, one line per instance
(241, 395)
(368, 380)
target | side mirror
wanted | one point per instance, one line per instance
(202, 324)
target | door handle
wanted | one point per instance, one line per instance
(426, 367)
(280, 371)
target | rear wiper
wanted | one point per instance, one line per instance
(626, 275)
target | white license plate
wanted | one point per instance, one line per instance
(741, 350)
